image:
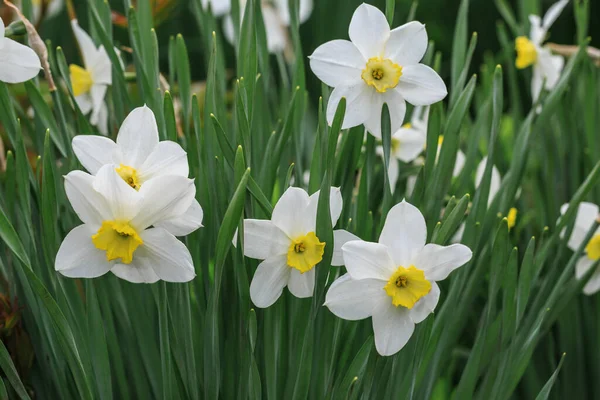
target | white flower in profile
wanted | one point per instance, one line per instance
(377, 66)
(276, 16)
(394, 281)
(91, 81)
(407, 143)
(289, 246)
(587, 213)
(530, 51)
(139, 158)
(18, 63)
(121, 229)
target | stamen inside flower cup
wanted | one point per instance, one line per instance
(129, 175)
(382, 74)
(119, 239)
(406, 286)
(305, 252)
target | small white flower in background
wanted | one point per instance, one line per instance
(587, 213)
(52, 8)
(377, 66)
(289, 246)
(394, 281)
(407, 143)
(139, 157)
(18, 63)
(121, 229)
(276, 16)
(91, 81)
(531, 52)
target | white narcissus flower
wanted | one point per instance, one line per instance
(91, 81)
(121, 229)
(531, 52)
(18, 63)
(394, 281)
(377, 66)
(139, 157)
(289, 246)
(276, 16)
(587, 213)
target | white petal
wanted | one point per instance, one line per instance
(84, 102)
(101, 120)
(459, 163)
(218, 7)
(101, 70)
(1, 29)
(407, 44)
(584, 220)
(439, 261)
(367, 260)
(336, 204)
(97, 94)
(359, 99)
(550, 66)
(135, 273)
(306, 7)
(340, 238)
(290, 212)
(397, 106)
(495, 181)
(425, 305)
(537, 80)
(167, 256)
(168, 158)
(393, 328)
(393, 173)
(301, 285)
(91, 207)
(553, 13)
(138, 136)
(270, 278)
(228, 30)
(353, 300)
(123, 201)
(582, 268)
(186, 223)
(163, 198)
(93, 151)
(277, 36)
(536, 33)
(411, 144)
(18, 63)
(86, 44)
(369, 30)
(338, 63)
(421, 86)
(404, 233)
(262, 239)
(77, 256)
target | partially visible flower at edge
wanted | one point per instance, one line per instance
(18, 63)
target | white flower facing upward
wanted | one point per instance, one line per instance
(289, 246)
(139, 158)
(18, 63)
(91, 81)
(394, 281)
(276, 16)
(531, 52)
(121, 229)
(587, 213)
(377, 66)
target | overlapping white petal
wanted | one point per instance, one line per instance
(93, 151)
(271, 276)
(338, 63)
(420, 85)
(393, 328)
(340, 238)
(354, 300)
(369, 30)
(407, 44)
(582, 268)
(263, 239)
(77, 257)
(18, 63)
(301, 285)
(404, 232)
(439, 261)
(584, 220)
(367, 260)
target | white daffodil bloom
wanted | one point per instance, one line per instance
(377, 66)
(587, 213)
(407, 143)
(121, 229)
(18, 63)
(139, 158)
(91, 81)
(394, 281)
(530, 51)
(288, 245)
(276, 16)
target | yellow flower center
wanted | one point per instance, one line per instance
(129, 175)
(118, 239)
(593, 248)
(382, 74)
(512, 217)
(407, 286)
(81, 80)
(305, 252)
(526, 52)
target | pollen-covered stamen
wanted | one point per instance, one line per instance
(305, 252)
(406, 286)
(593, 248)
(382, 74)
(526, 52)
(118, 239)
(129, 175)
